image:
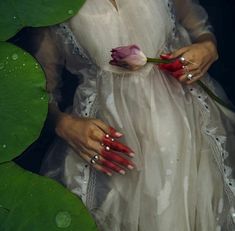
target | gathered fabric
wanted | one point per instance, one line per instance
(183, 140)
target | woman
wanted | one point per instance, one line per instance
(178, 175)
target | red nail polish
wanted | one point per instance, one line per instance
(114, 133)
(132, 154)
(122, 172)
(118, 134)
(166, 56)
(109, 173)
(130, 167)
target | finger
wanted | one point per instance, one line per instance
(185, 57)
(191, 67)
(113, 133)
(97, 166)
(178, 73)
(179, 52)
(117, 146)
(106, 150)
(194, 79)
(104, 127)
(204, 71)
(93, 146)
(106, 164)
(110, 165)
(197, 73)
(115, 157)
(206, 68)
(108, 129)
(172, 67)
(166, 56)
(109, 145)
(97, 135)
(184, 78)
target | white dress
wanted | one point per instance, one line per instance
(184, 141)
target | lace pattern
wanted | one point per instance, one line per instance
(217, 143)
(68, 38)
(171, 7)
(85, 105)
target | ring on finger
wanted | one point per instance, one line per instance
(189, 76)
(182, 59)
(107, 136)
(94, 159)
(107, 148)
(186, 71)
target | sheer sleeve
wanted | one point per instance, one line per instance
(50, 55)
(193, 17)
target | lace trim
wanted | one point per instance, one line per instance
(217, 143)
(87, 176)
(171, 7)
(173, 33)
(69, 38)
(90, 202)
(82, 180)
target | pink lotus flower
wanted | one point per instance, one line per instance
(130, 57)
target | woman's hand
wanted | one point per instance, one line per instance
(192, 62)
(96, 143)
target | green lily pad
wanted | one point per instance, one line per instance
(23, 101)
(36, 203)
(17, 14)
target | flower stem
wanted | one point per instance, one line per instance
(158, 61)
(214, 97)
(199, 82)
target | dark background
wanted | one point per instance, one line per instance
(222, 17)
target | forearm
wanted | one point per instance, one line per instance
(55, 115)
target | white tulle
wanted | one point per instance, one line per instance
(183, 140)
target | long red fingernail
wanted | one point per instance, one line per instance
(132, 154)
(122, 172)
(107, 172)
(114, 133)
(166, 56)
(118, 134)
(130, 167)
(178, 73)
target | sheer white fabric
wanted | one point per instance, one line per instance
(183, 141)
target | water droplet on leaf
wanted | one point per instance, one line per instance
(14, 56)
(70, 11)
(4, 145)
(63, 219)
(14, 17)
(1, 66)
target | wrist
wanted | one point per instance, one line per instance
(209, 42)
(62, 123)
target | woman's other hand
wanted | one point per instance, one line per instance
(96, 143)
(196, 59)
